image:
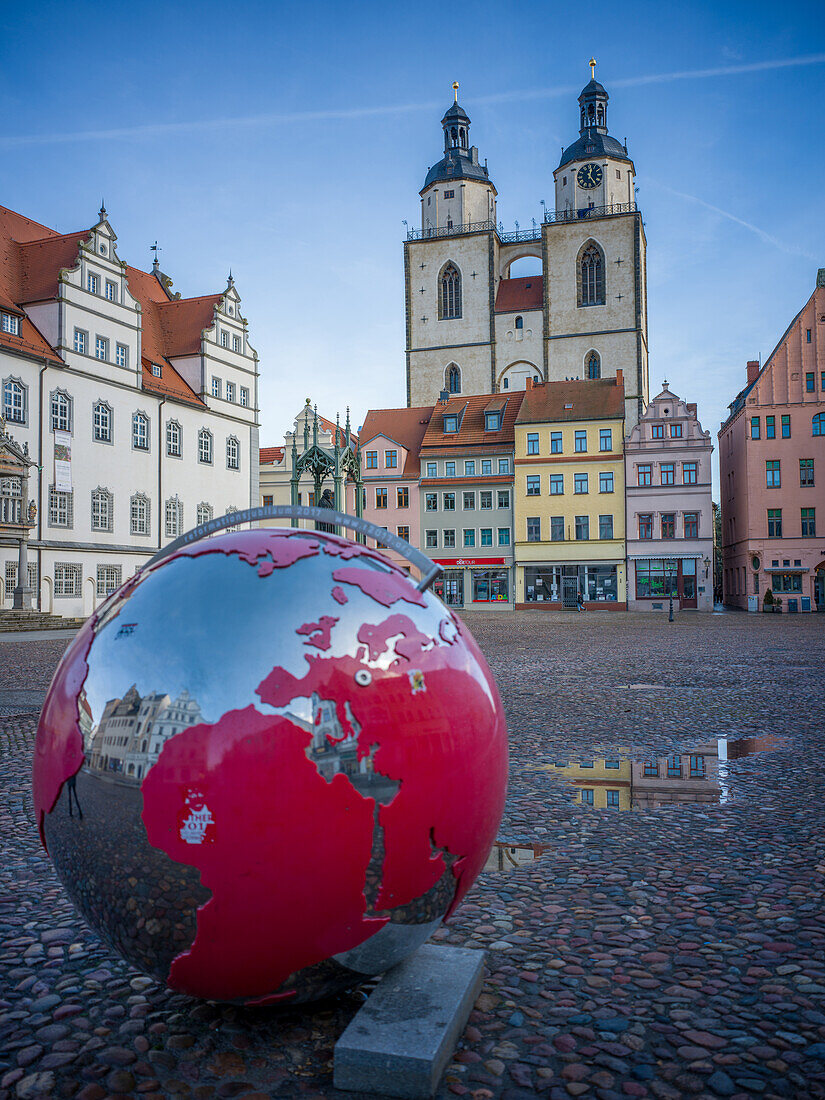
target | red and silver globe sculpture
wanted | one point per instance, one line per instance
(270, 766)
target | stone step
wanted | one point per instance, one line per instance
(16, 622)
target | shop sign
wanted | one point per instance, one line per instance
(466, 563)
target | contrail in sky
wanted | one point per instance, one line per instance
(342, 114)
(766, 237)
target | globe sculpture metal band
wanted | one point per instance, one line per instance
(270, 764)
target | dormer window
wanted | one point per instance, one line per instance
(492, 421)
(9, 323)
(450, 424)
(156, 370)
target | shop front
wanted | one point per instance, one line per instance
(653, 580)
(479, 583)
(559, 585)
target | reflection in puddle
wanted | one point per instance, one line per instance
(618, 783)
(509, 857)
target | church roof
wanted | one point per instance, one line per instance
(594, 88)
(456, 166)
(593, 145)
(523, 293)
(455, 113)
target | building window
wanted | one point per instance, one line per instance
(486, 466)
(532, 443)
(534, 529)
(674, 767)
(372, 460)
(403, 533)
(668, 473)
(806, 472)
(140, 432)
(431, 540)
(786, 426)
(15, 402)
(606, 481)
(612, 800)
(92, 283)
(582, 528)
(449, 469)
(101, 348)
(121, 355)
(485, 500)
(605, 527)
(204, 512)
(690, 473)
(644, 473)
(774, 523)
(533, 485)
(224, 338)
(755, 431)
(651, 768)
(139, 514)
(233, 453)
(11, 576)
(808, 523)
(101, 422)
(580, 483)
(469, 537)
(810, 382)
(432, 469)
(587, 796)
(605, 439)
(469, 501)
(656, 578)
(236, 343)
(449, 301)
(380, 498)
(267, 499)
(174, 518)
(449, 502)
(503, 498)
(10, 324)
(230, 391)
(80, 341)
(431, 502)
(244, 397)
(11, 509)
(556, 485)
(668, 525)
(111, 291)
(691, 525)
(236, 526)
(157, 370)
(675, 431)
(61, 412)
(216, 386)
(453, 379)
(613, 765)
(581, 441)
(555, 443)
(772, 474)
(402, 497)
(448, 537)
(469, 468)
(174, 440)
(557, 528)
(102, 510)
(68, 579)
(504, 536)
(450, 425)
(109, 579)
(594, 366)
(391, 460)
(504, 465)
(818, 424)
(770, 427)
(492, 421)
(591, 275)
(61, 508)
(646, 525)
(205, 446)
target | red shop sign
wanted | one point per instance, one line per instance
(468, 561)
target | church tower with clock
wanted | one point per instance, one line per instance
(471, 328)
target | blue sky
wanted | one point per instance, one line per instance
(289, 142)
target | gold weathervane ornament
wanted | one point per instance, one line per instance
(592, 68)
(455, 90)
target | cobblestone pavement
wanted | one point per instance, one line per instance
(657, 953)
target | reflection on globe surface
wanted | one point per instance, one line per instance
(269, 766)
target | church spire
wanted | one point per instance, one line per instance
(593, 105)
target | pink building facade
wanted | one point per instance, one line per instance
(390, 445)
(669, 508)
(772, 465)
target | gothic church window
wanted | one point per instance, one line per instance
(453, 379)
(594, 366)
(591, 275)
(449, 302)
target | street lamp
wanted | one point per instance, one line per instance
(670, 565)
(706, 564)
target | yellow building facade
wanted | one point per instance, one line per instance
(569, 496)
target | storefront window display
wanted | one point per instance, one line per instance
(490, 586)
(597, 583)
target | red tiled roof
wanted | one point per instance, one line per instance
(269, 455)
(170, 382)
(471, 431)
(406, 427)
(524, 293)
(15, 232)
(601, 399)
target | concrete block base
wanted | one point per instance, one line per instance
(399, 1042)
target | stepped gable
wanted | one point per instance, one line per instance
(406, 427)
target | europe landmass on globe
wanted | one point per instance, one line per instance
(291, 765)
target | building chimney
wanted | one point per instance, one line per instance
(444, 397)
(753, 370)
(528, 384)
(620, 377)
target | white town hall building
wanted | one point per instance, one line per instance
(139, 409)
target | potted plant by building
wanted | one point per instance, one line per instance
(767, 601)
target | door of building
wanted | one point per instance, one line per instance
(569, 593)
(451, 585)
(688, 594)
(819, 587)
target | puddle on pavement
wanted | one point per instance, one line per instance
(619, 782)
(509, 857)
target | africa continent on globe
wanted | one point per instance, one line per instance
(269, 766)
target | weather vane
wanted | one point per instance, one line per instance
(592, 68)
(155, 248)
(455, 90)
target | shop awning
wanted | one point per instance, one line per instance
(787, 569)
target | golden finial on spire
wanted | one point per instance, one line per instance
(455, 90)
(592, 68)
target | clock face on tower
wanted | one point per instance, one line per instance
(589, 176)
